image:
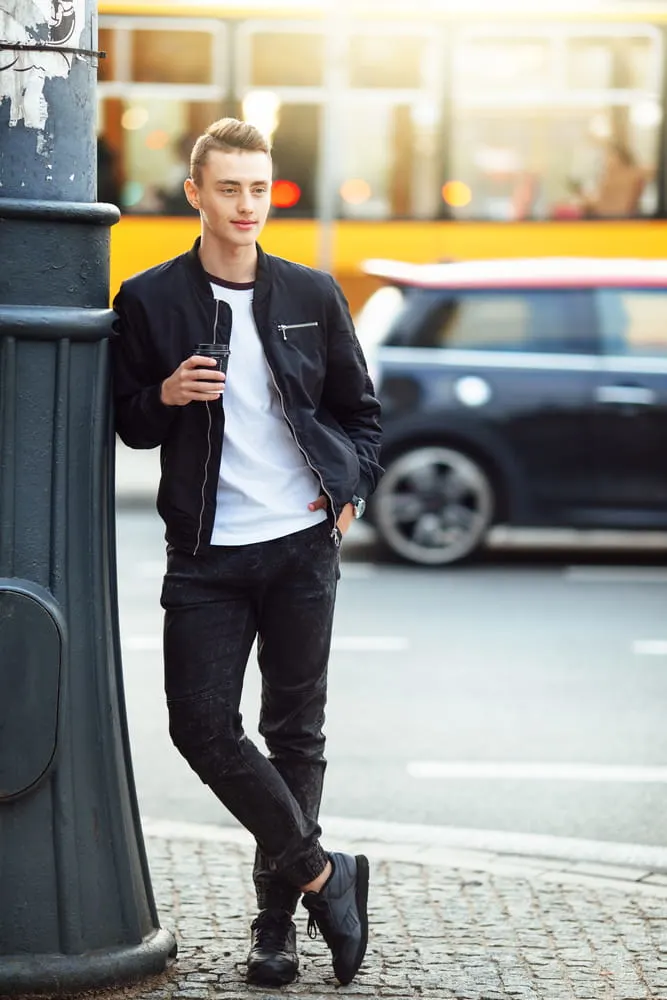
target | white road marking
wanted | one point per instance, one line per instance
(419, 838)
(495, 771)
(341, 643)
(650, 647)
(617, 574)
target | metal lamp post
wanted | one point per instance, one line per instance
(76, 905)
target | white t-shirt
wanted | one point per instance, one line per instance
(265, 483)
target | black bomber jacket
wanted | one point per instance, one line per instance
(315, 359)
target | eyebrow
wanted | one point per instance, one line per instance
(238, 183)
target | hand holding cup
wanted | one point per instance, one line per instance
(199, 378)
(220, 352)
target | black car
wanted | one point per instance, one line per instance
(517, 392)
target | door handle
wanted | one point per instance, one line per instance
(626, 395)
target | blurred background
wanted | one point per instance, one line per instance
(423, 131)
(500, 643)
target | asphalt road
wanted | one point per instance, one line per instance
(524, 693)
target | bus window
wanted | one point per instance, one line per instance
(106, 69)
(494, 65)
(365, 162)
(388, 166)
(152, 138)
(295, 153)
(385, 61)
(171, 56)
(555, 163)
(582, 141)
(164, 83)
(603, 63)
(286, 59)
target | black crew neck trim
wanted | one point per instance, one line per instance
(235, 286)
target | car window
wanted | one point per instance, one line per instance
(496, 322)
(633, 321)
(545, 321)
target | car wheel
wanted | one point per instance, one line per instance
(434, 505)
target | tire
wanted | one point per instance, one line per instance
(434, 505)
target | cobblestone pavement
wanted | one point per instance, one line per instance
(518, 929)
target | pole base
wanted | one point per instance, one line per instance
(64, 975)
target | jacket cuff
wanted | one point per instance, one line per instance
(158, 412)
(364, 488)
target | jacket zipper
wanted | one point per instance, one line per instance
(208, 440)
(284, 327)
(335, 533)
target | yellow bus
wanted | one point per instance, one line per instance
(416, 131)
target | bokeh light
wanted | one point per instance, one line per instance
(261, 108)
(355, 191)
(132, 193)
(135, 117)
(646, 114)
(456, 194)
(285, 194)
(157, 139)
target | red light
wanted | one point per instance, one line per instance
(285, 194)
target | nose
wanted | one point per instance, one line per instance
(245, 202)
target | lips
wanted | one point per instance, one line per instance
(240, 224)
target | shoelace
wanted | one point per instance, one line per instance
(319, 908)
(270, 934)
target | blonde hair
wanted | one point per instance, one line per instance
(226, 134)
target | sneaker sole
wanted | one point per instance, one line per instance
(266, 977)
(361, 895)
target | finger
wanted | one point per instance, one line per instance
(211, 390)
(197, 360)
(203, 375)
(205, 385)
(318, 504)
(205, 381)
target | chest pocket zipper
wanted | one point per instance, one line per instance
(284, 327)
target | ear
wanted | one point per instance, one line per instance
(191, 192)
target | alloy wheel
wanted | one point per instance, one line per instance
(434, 505)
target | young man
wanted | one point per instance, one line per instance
(263, 470)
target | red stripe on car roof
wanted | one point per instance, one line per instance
(604, 281)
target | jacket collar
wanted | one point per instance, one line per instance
(198, 274)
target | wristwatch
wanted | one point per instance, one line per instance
(359, 505)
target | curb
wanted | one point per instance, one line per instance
(414, 848)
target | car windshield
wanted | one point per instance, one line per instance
(377, 316)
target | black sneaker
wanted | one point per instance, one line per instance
(340, 912)
(272, 959)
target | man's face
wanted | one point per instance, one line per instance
(233, 196)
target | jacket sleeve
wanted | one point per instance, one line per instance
(348, 392)
(142, 419)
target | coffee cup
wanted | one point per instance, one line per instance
(220, 352)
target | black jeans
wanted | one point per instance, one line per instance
(216, 603)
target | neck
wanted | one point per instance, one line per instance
(236, 264)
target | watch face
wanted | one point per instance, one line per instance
(359, 505)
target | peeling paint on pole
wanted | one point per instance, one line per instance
(23, 73)
(47, 80)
